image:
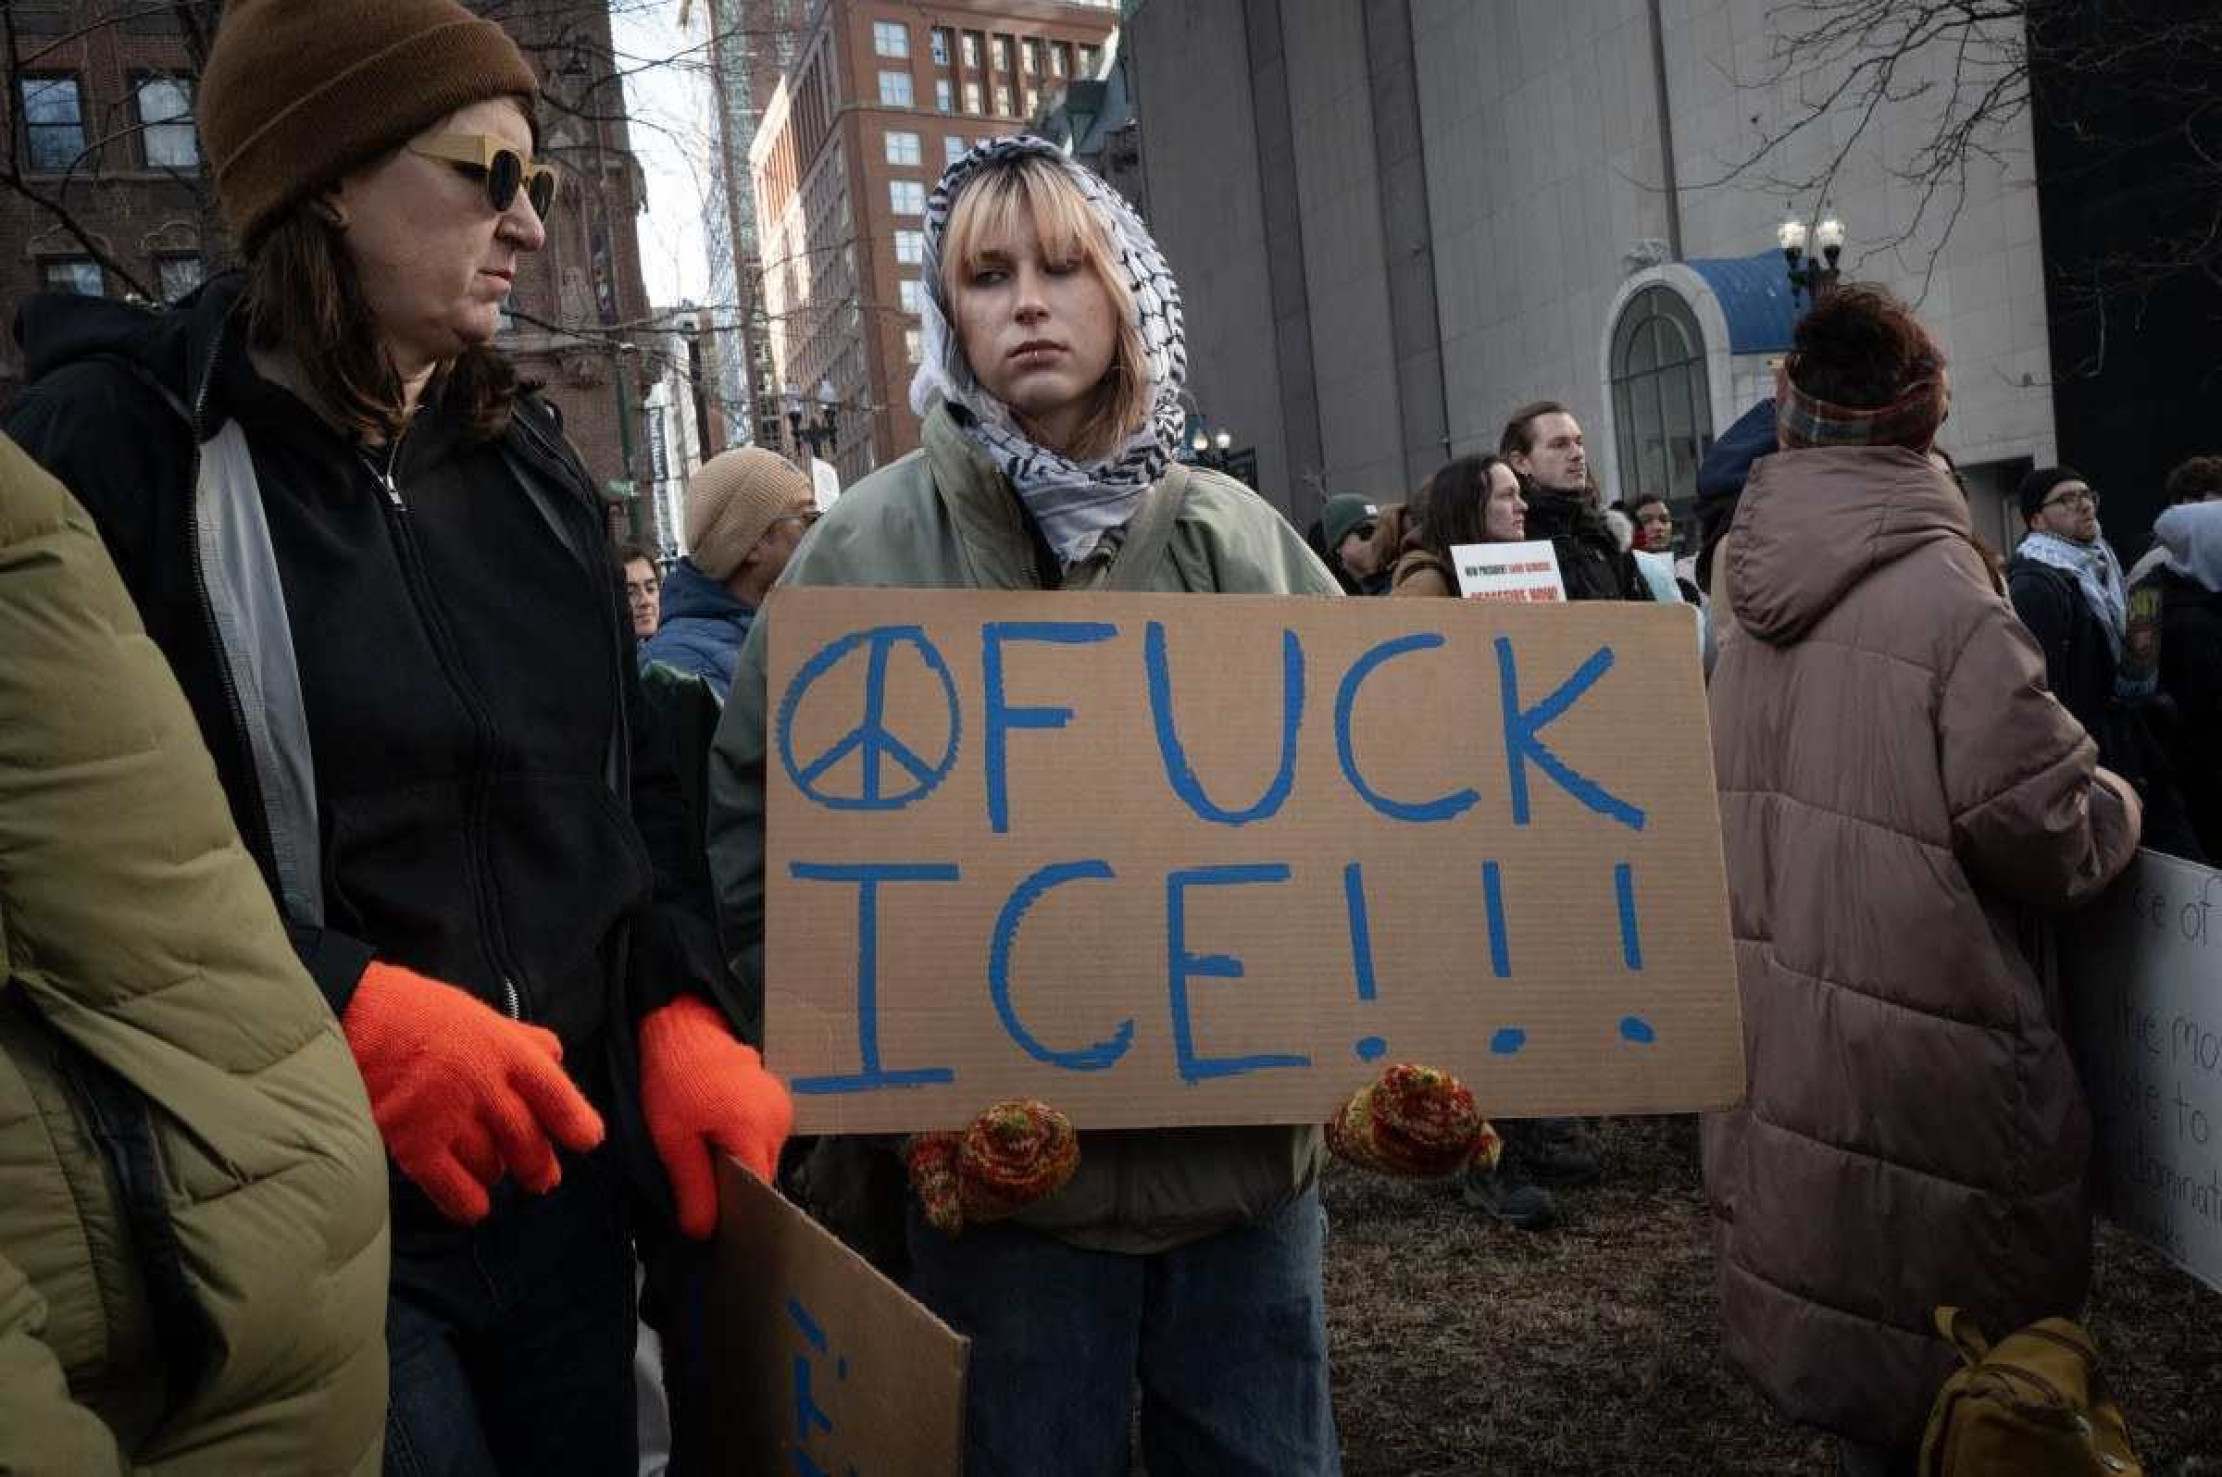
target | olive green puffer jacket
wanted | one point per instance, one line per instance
(193, 1256)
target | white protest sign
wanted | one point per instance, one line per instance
(1525, 572)
(2145, 983)
(825, 484)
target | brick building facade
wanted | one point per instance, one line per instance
(98, 109)
(880, 98)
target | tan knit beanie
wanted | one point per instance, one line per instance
(298, 92)
(733, 500)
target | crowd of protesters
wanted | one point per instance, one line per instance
(353, 793)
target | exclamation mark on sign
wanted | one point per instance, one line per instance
(1368, 1048)
(1632, 1027)
(1508, 1039)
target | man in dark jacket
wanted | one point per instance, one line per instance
(2068, 588)
(747, 510)
(1543, 442)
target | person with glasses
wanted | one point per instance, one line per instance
(747, 510)
(2068, 588)
(381, 575)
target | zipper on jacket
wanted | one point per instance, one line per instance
(258, 815)
(491, 930)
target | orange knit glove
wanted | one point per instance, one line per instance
(459, 1091)
(700, 1088)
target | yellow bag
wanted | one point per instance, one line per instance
(2034, 1405)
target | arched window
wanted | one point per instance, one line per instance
(1662, 408)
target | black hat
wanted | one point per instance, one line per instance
(2041, 484)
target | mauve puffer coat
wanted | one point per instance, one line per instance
(1902, 801)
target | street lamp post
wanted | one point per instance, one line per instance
(1215, 449)
(822, 435)
(1810, 275)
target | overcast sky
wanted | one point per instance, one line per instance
(667, 93)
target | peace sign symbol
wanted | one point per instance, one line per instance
(874, 745)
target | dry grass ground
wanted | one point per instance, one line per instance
(1463, 1347)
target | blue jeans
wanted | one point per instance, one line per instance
(510, 1344)
(1226, 1336)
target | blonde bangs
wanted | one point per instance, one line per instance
(1035, 194)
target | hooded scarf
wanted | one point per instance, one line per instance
(2190, 536)
(1073, 503)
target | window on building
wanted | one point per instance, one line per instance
(1060, 59)
(79, 274)
(166, 136)
(906, 197)
(972, 97)
(1002, 53)
(1003, 99)
(945, 95)
(914, 294)
(1089, 57)
(910, 247)
(972, 49)
(902, 148)
(53, 122)
(178, 273)
(1662, 405)
(914, 345)
(890, 38)
(895, 90)
(1031, 55)
(952, 149)
(1033, 101)
(938, 42)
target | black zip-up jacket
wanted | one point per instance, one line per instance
(456, 760)
(1591, 562)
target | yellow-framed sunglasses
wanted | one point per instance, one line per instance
(502, 167)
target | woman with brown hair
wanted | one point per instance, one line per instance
(380, 574)
(1474, 500)
(1902, 804)
(1185, 1262)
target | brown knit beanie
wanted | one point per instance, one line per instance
(733, 500)
(298, 92)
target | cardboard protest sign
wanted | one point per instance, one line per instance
(1183, 859)
(1525, 572)
(2145, 976)
(819, 1366)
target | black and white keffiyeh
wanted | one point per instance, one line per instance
(2096, 572)
(1074, 503)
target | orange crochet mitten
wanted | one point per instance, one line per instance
(1012, 1155)
(459, 1091)
(1413, 1121)
(701, 1088)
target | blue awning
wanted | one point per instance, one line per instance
(1754, 296)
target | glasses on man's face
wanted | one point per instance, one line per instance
(2084, 499)
(801, 521)
(503, 168)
